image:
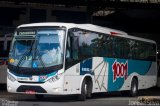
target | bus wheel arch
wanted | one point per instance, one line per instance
(86, 88)
(134, 86)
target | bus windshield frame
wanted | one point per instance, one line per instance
(38, 50)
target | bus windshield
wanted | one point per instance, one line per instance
(45, 50)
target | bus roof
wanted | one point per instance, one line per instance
(68, 25)
(90, 27)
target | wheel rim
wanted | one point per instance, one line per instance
(134, 88)
(85, 89)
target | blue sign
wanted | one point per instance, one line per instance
(86, 67)
(34, 65)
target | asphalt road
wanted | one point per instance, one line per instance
(148, 97)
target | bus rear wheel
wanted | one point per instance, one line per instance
(134, 88)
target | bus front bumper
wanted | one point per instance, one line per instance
(54, 88)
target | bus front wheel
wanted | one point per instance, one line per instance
(86, 90)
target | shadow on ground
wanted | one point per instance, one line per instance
(73, 98)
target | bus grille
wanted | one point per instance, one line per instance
(24, 88)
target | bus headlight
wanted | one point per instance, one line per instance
(10, 77)
(55, 78)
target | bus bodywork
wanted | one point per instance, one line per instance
(63, 58)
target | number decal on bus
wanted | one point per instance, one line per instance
(119, 70)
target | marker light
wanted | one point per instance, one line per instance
(115, 33)
(11, 60)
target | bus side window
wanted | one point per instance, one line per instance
(75, 47)
(68, 49)
(72, 50)
(68, 53)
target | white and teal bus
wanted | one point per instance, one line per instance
(68, 58)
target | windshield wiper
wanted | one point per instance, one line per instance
(36, 51)
(39, 57)
(25, 54)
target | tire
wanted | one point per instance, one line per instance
(86, 90)
(134, 88)
(40, 96)
(82, 96)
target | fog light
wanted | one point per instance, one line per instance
(9, 88)
(55, 89)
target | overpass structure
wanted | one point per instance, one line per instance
(101, 12)
(145, 4)
(93, 6)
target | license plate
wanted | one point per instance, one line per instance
(30, 92)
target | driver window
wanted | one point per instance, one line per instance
(75, 47)
(72, 50)
(68, 49)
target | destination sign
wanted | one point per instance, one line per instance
(26, 33)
